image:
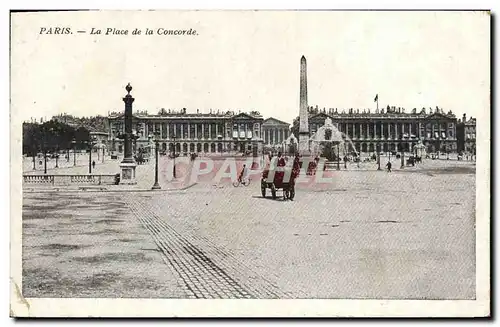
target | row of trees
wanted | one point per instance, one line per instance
(53, 136)
(92, 123)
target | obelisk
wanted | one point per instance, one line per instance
(303, 114)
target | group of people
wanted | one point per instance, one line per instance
(281, 161)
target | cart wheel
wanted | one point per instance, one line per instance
(236, 183)
(246, 182)
(273, 191)
(286, 194)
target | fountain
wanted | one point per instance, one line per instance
(329, 136)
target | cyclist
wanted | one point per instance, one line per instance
(242, 174)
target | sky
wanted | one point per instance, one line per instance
(250, 61)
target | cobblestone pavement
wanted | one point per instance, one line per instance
(404, 235)
(206, 270)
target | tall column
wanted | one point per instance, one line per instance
(382, 130)
(128, 164)
(128, 99)
(161, 130)
(196, 130)
(182, 131)
(210, 130)
(216, 130)
(189, 131)
(367, 130)
(375, 130)
(275, 135)
(396, 129)
(389, 130)
(202, 130)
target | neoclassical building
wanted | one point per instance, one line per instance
(466, 135)
(213, 132)
(391, 129)
(275, 131)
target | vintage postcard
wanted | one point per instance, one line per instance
(250, 163)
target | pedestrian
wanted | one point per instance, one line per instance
(93, 164)
(389, 165)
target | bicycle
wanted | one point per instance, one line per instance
(244, 182)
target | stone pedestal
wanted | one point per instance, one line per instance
(127, 176)
(304, 146)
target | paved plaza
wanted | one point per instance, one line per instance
(409, 234)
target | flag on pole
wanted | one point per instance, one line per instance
(376, 98)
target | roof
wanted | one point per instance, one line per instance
(378, 115)
(183, 114)
(274, 121)
(382, 113)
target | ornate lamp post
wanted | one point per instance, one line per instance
(91, 144)
(338, 156)
(156, 186)
(128, 163)
(44, 151)
(174, 137)
(73, 142)
(345, 158)
(34, 153)
(378, 156)
(57, 148)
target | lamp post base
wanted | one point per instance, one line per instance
(127, 176)
(156, 187)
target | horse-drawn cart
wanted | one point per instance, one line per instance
(284, 180)
(279, 182)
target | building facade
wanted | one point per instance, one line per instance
(215, 132)
(391, 129)
(275, 132)
(466, 135)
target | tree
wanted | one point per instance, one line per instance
(82, 135)
(31, 138)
